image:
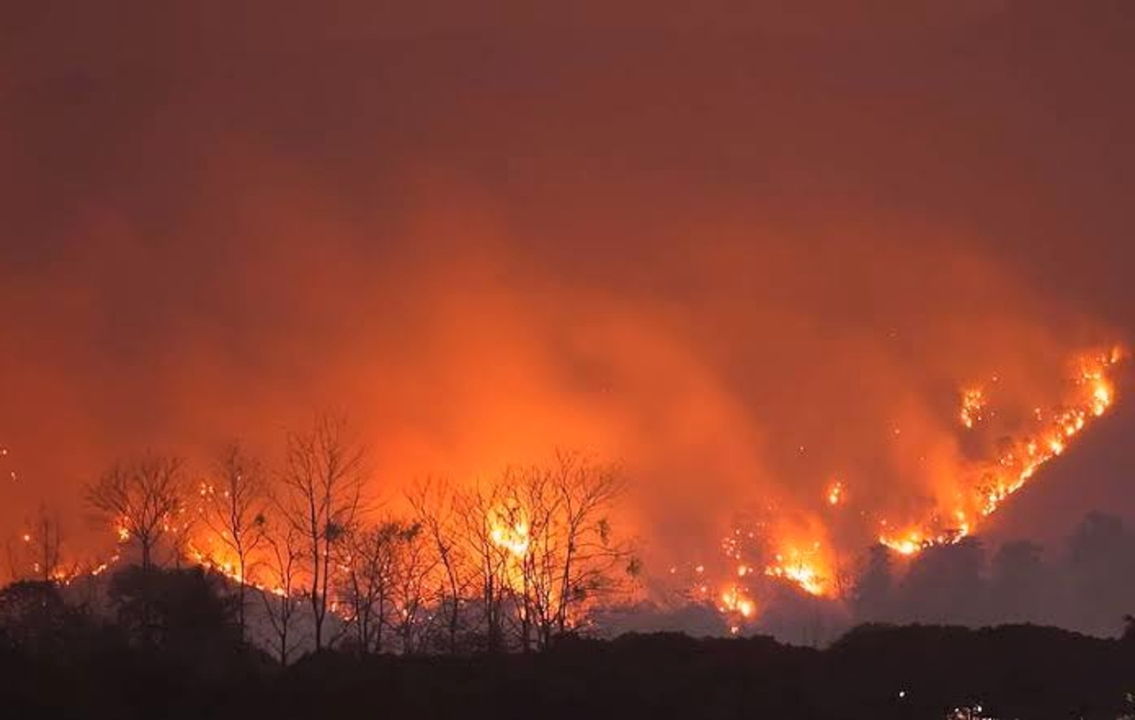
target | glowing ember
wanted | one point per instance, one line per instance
(835, 493)
(512, 537)
(973, 402)
(1092, 395)
(805, 568)
(982, 484)
(733, 600)
(800, 549)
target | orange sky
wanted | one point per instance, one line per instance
(687, 240)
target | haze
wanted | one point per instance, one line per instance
(739, 249)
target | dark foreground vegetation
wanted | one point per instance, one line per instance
(171, 648)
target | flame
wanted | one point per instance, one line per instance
(835, 493)
(973, 403)
(802, 553)
(1093, 393)
(808, 568)
(511, 537)
(982, 486)
(733, 600)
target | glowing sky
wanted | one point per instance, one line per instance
(692, 239)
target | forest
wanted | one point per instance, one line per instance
(174, 651)
(291, 592)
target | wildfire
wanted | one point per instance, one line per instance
(799, 549)
(1092, 394)
(512, 537)
(733, 600)
(973, 403)
(805, 568)
(835, 493)
(983, 485)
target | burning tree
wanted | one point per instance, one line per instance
(540, 537)
(572, 557)
(234, 511)
(141, 499)
(323, 482)
(490, 544)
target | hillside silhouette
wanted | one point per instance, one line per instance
(171, 648)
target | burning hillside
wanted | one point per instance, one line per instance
(1005, 446)
(535, 548)
(798, 292)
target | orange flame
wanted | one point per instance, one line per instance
(986, 485)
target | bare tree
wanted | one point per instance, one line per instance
(536, 505)
(234, 511)
(539, 543)
(410, 593)
(435, 510)
(38, 552)
(491, 543)
(370, 564)
(179, 532)
(323, 479)
(48, 539)
(284, 557)
(591, 559)
(141, 499)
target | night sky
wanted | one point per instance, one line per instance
(694, 239)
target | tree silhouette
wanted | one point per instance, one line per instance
(1101, 564)
(572, 557)
(370, 565)
(435, 510)
(142, 499)
(871, 595)
(485, 518)
(323, 481)
(185, 615)
(282, 566)
(234, 510)
(411, 595)
(1017, 579)
(38, 551)
(35, 618)
(945, 583)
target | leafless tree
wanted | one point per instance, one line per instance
(536, 505)
(179, 533)
(411, 596)
(234, 510)
(141, 499)
(323, 480)
(37, 553)
(490, 544)
(594, 559)
(48, 540)
(435, 510)
(369, 565)
(573, 558)
(284, 556)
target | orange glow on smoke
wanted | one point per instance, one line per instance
(979, 487)
(801, 549)
(1092, 395)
